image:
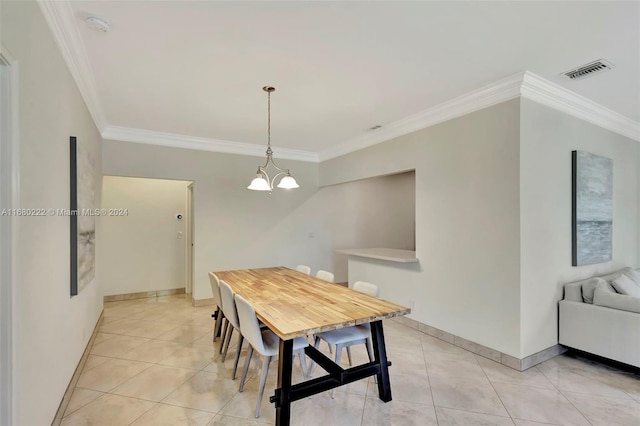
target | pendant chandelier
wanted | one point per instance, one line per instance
(262, 182)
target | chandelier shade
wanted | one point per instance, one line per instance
(262, 182)
(259, 183)
(288, 182)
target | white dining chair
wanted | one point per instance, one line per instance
(325, 275)
(229, 308)
(304, 269)
(218, 314)
(349, 336)
(266, 343)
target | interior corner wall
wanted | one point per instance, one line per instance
(374, 212)
(547, 138)
(144, 243)
(51, 329)
(234, 228)
(467, 221)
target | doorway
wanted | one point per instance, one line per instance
(8, 202)
(144, 244)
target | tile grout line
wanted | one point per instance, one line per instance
(364, 406)
(151, 338)
(460, 409)
(159, 363)
(523, 386)
(564, 396)
(533, 387)
(517, 384)
(426, 367)
(148, 339)
(110, 392)
(629, 398)
(202, 369)
(84, 405)
(545, 376)
(542, 423)
(132, 377)
(494, 389)
(142, 414)
(574, 406)
(187, 408)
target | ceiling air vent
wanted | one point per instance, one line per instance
(589, 69)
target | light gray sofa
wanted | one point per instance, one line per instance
(594, 317)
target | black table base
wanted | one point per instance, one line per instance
(285, 394)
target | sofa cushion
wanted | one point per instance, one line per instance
(602, 297)
(590, 285)
(611, 275)
(573, 292)
(631, 273)
(625, 285)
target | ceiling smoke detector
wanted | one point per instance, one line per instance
(97, 24)
(589, 69)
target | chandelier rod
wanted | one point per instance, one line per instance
(268, 117)
(262, 182)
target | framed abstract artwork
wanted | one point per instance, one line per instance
(591, 208)
(83, 222)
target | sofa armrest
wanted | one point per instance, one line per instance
(606, 332)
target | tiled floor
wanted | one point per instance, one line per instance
(153, 363)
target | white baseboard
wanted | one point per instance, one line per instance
(76, 375)
(519, 364)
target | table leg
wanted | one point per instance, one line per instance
(380, 355)
(285, 367)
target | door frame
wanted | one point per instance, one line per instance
(188, 288)
(9, 200)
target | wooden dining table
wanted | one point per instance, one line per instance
(293, 304)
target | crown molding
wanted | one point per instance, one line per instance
(150, 137)
(552, 95)
(500, 91)
(61, 20)
(525, 84)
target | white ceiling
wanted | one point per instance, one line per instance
(197, 68)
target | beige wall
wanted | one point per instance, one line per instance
(493, 219)
(467, 222)
(51, 329)
(6, 179)
(374, 212)
(238, 228)
(145, 249)
(234, 227)
(547, 139)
